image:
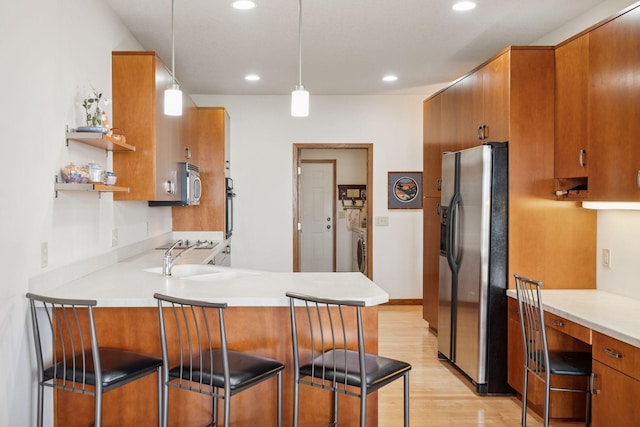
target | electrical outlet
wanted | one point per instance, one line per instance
(606, 258)
(382, 221)
(44, 254)
(114, 237)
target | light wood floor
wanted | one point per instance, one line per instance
(440, 396)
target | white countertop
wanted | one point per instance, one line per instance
(127, 284)
(613, 315)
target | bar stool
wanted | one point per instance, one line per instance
(538, 360)
(79, 365)
(328, 362)
(196, 357)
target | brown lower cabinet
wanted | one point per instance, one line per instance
(616, 382)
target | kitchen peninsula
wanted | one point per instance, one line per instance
(257, 321)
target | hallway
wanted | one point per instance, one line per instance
(440, 396)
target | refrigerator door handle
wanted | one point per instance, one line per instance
(452, 226)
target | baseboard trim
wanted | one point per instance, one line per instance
(404, 302)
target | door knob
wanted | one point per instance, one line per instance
(328, 226)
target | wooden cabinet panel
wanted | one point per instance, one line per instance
(212, 128)
(614, 109)
(567, 327)
(616, 368)
(431, 250)
(495, 98)
(455, 120)
(616, 400)
(572, 84)
(138, 83)
(432, 166)
(516, 353)
(617, 354)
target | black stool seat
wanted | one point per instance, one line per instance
(244, 369)
(570, 363)
(118, 367)
(379, 370)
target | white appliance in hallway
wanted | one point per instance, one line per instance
(359, 249)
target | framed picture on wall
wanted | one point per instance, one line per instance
(405, 190)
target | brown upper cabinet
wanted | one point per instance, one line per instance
(138, 83)
(572, 109)
(431, 147)
(598, 111)
(614, 109)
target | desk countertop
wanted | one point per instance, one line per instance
(129, 284)
(613, 315)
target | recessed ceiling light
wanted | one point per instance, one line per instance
(390, 78)
(252, 77)
(243, 4)
(462, 6)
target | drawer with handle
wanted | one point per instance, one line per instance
(568, 327)
(616, 354)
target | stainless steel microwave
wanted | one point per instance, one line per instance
(187, 187)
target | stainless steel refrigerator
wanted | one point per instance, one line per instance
(472, 306)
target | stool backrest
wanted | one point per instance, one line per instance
(65, 342)
(321, 325)
(534, 335)
(191, 332)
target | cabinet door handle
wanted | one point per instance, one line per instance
(558, 323)
(187, 153)
(581, 161)
(638, 179)
(485, 132)
(612, 353)
(480, 134)
(438, 209)
(439, 184)
(592, 383)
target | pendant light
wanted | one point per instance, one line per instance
(300, 97)
(173, 94)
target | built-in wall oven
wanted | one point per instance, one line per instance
(230, 194)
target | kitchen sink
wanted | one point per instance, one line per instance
(186, 270)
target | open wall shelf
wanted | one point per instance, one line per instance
(100, 140)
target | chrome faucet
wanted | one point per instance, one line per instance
(168, 260)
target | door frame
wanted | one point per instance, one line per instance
(297, 161)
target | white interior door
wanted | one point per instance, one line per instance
(317, 222)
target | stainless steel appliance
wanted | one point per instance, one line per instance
(185, 189)
(230, 194)
(472, 306)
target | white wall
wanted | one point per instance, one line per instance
(52, 51)
(262, 137)
(619, 231)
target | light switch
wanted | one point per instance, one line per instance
(382, 221)
(606, 258)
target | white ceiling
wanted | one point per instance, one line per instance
(348, 45)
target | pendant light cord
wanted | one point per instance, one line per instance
(173, 43)
(300, 42)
